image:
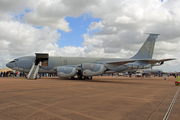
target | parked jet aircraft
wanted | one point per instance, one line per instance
(87, 67)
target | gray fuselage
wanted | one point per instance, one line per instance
(24, 64)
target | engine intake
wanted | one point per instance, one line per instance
(64, 71)
(92, 69)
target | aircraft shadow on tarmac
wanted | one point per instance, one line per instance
(101, 81)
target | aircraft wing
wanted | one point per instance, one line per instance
(122, 62)
(153, 61)
(150, 61)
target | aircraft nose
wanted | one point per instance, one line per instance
(9, 65)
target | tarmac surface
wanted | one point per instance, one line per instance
(102, 98)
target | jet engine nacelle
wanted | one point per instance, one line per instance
(137, 66)
(92, 69)
(64, 71)
(158, 64)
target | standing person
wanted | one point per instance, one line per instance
(164, 76)
(149, 75)
(8, 73)
(130, 74)
(126, 74)
(17, 73)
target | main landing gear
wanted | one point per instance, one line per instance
(80, 76)
(84, 77)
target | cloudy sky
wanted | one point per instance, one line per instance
(89, 28)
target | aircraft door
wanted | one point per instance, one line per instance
(43, 58)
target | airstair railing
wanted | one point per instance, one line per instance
(36, 71)
(31, 70)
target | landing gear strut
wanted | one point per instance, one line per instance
(80, 76)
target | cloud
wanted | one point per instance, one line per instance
(124, 20)
(119, 33)
(15, 5)
(96, 25)
(36, 20)
(52, 13)
(18, 39)
(131, 19)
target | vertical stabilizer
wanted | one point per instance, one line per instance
(147, 48)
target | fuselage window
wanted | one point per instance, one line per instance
(15, 60)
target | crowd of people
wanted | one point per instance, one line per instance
(22, 74)
(12, 74)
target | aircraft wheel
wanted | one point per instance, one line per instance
(79, 77)
(83, 77)
(176, 83)
(89, 77)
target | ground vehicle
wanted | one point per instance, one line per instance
(176, 82)
(138, 74)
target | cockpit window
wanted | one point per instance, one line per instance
(15, 60)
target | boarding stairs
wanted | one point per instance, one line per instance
(33, 72)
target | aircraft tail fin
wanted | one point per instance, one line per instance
(147, 49)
